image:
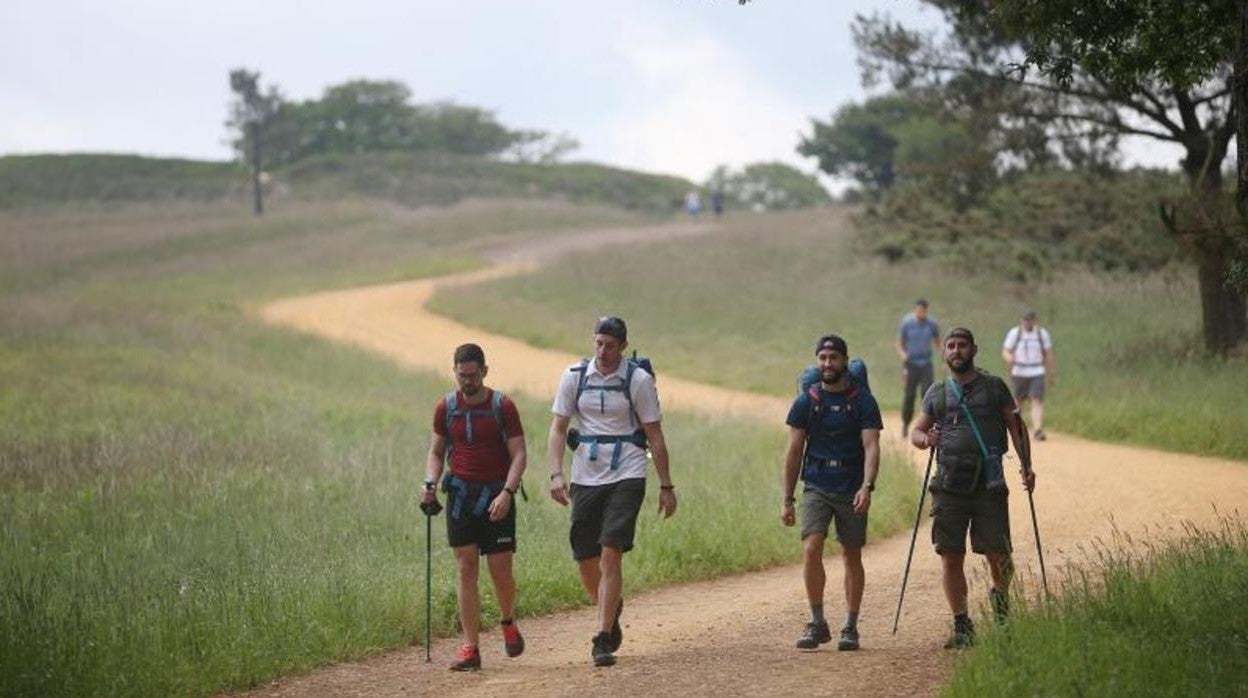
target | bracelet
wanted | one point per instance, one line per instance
(669, 488)
(509, 491)
(555, 475)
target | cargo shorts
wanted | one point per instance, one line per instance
(820, 510)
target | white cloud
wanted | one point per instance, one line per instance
(698, 104)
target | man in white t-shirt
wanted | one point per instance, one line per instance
(1028, 352)
(617, 410)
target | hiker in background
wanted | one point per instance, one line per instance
(917, 335)
(1028, 352)
(617, 408)
(834, 440)
(478, 431)
(717, 202)
(693, 203)
(966, 418)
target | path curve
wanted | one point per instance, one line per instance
(734, 635)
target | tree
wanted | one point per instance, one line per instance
(1085, 74)
(768, 186)
(252, 115)
(859, 140)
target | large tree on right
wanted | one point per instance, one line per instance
(1090, 71)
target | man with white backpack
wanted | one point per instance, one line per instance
(1028, 352)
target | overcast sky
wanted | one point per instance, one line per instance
(674, 86)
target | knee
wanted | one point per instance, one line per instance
(610, 559)
(812, 548)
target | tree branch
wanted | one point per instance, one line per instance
(1113, 124)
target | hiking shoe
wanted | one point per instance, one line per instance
(963, 636)
(849, 639)
(467, 658)
(816, 634)
(1000, 605)
(513, 641)
(617, 633)
(1039, 435)
(601, 650)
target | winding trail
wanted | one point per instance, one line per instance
(734, 635)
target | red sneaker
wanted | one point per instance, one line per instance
(513, 641)
(467, 658)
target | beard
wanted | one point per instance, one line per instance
(831, 377)
(959, 365)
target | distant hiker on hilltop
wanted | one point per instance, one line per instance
(617, 409)
(477, 432)
(917, 335)
(1028, 352)
(834, 443)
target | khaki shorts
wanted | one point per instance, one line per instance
(820, 509)
(987, 514)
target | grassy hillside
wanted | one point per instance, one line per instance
(192, 501)
(742, 307)
(411, 179)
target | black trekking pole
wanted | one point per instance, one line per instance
(913, 536)
(431, 510)
(1044, 578)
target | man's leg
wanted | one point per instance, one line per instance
(504, 582)
(911, 380)
(1037, 414)
(591, 576)
(855, 579)
(953, 579)
(466, 559)
(611, 582)
(813, 573)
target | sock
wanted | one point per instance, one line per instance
(507, 621)
(851, 620)
(816, 614)
(962, 618)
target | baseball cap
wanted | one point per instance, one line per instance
(833, 342)
(960, 332)
(613, 326)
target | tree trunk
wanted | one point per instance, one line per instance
(255, 169)
(1224, 313)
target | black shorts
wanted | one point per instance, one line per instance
(605, 515)
(466, 524)
(985, 514)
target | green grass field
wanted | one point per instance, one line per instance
(742, 308)
(191, 501)
(1165, 621)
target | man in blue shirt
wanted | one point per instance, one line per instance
(917, 335)
(834, 439)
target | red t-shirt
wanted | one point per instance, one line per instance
(486, 458)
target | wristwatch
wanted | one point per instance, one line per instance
(509, 491)
(869, 485)
(429, 485)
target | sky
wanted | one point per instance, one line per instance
(673, 86)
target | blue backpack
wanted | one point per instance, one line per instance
(455, 411)
(809, 379)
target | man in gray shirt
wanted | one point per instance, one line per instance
(917, 335)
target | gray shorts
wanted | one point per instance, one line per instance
(1031, 387)
(820, 509)
(985, 514)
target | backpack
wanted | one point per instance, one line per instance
(991, 462)
(809, 379)
(495, 409)
(638, 436)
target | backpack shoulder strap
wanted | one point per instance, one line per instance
(583, 369)
(1018, 338)
(496, 407)
(815, 406)
(452, 408)
(940, 400)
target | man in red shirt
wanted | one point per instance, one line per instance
(487, 457)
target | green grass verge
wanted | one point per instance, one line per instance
(1169, 623)
(741, 308)
(190, 501)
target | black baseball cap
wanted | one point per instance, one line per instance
(961, 332)
(833, 342)
(613, 326)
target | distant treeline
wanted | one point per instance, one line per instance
(409, 178)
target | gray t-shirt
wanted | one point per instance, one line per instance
(985, 404)
(916, 338)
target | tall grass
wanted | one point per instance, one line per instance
(743, 307)
(190, 501)
(1166, 620)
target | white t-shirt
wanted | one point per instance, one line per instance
(605, 412)
(1029, 355)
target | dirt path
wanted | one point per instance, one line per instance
(735, 635)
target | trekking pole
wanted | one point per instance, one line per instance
(913, 536)
(1044, 578)
(431, 510)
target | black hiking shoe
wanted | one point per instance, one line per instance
(601, 650)
(1039, 435)
(617, 633)
(816, 634)
(963, 636)
(1000, 605)
(849, 639)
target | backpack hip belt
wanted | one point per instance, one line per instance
(637, 438)
(454, 484)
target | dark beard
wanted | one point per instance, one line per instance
(833, 380)
(966, 367)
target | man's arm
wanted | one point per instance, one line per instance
(658, 449)
(1050, 362)
(871, 469)
(1007, 350)
(519, 458)
(925, 433)
(1022, 443)
(433, 466)
(554, 445)
(792, 462)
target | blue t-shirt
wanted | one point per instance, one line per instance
(834, 455)
(916, 338)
